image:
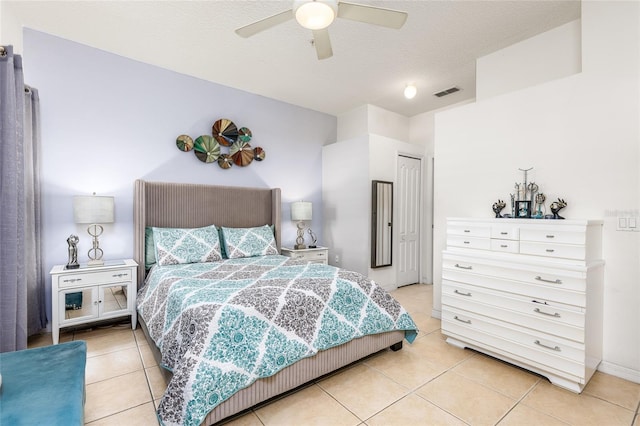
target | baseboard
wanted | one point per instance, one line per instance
(619, 371)
(436, 313)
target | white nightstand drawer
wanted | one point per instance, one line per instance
(313, 255)
(85, 278)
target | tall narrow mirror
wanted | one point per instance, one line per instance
(381, 223)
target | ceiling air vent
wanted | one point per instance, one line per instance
(446, 92)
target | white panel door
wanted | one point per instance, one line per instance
(408, 220)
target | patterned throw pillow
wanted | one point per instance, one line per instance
(183, 245)
(248, 242)
(149, 248)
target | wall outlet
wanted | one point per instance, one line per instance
(337, 259)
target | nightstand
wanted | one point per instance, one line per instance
(313, 255)
(92, 293)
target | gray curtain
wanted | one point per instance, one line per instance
(20, 271)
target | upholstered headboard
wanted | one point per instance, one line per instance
(181, 205)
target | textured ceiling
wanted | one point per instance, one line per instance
(436, 49)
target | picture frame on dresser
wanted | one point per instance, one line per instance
(523, 209)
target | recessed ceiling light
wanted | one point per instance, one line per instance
(410, 91)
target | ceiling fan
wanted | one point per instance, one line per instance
(317, 15)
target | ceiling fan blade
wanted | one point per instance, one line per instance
(389, 18)
(264, 24)
(323, 43)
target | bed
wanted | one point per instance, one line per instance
(194, 206)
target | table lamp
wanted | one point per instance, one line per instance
(95, 210)
(301, 211)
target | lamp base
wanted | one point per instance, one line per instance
(299, 247)
(95, 262)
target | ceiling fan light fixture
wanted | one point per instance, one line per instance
(315, 14)
(410, 91)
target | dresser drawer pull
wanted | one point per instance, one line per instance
(550, 236)
(119, 275)
(467, 230)
(464, 267)
(549, 250)
(504, 245)
(72, 280)
(554, 348)
(539, 278)
(456, 291)
(461, 320)
(504, 233)
(556, 315)
(466, 242)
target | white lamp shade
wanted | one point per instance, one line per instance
(314, 15)
(92, 209)
(301, 210)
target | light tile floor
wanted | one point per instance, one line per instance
(426, 383)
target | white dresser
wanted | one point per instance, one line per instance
(527, 291)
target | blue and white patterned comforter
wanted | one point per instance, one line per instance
(222, 325)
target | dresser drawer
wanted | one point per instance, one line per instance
(550, 351)
(468, 229)
(112, 276)
(311, 256)
(555, 319)
(506, 246)
(469, 242)
(535, 291)
(505, 232)
(562, 279)
(564, 251)
(553, 236)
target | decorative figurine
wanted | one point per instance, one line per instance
(72, 241)
(540, 198)
(497, 208)
(314, 239)
(556, 206)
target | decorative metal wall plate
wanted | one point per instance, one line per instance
(206, 148)
(224, 161)
(244, 134)
(184, 143)
(241, 153)
(225, 132)
(259, 154)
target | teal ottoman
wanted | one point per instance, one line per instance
(43, 386)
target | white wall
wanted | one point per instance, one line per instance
(548, 56)
(370, 119)
(10, 29)
(582, 135)
(349, 166)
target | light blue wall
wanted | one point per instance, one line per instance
(108, 120)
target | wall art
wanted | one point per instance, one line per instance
(227, 145)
